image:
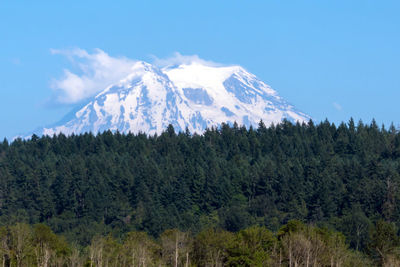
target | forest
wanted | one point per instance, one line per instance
(295, 244)
(299, 186)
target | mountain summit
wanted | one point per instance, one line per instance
(191, 95)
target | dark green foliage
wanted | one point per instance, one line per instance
(344, 177)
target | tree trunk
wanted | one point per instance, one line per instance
(46, 257)
(100, 259)
(176, 252)
(91, 258)
(18, 261)
(358, 232)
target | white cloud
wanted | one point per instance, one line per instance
(337, 106)
(96, 71)
(178, 59)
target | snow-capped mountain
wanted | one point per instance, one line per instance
(192, 95)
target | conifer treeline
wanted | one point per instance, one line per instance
(343, 177)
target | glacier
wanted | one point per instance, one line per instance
(192, 96)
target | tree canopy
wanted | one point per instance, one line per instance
(343, 177)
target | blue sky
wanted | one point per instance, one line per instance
(331, 59)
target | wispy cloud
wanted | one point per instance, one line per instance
(97, 70)
(337, 106)
(178, 59)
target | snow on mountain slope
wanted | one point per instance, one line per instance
(192, 95)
